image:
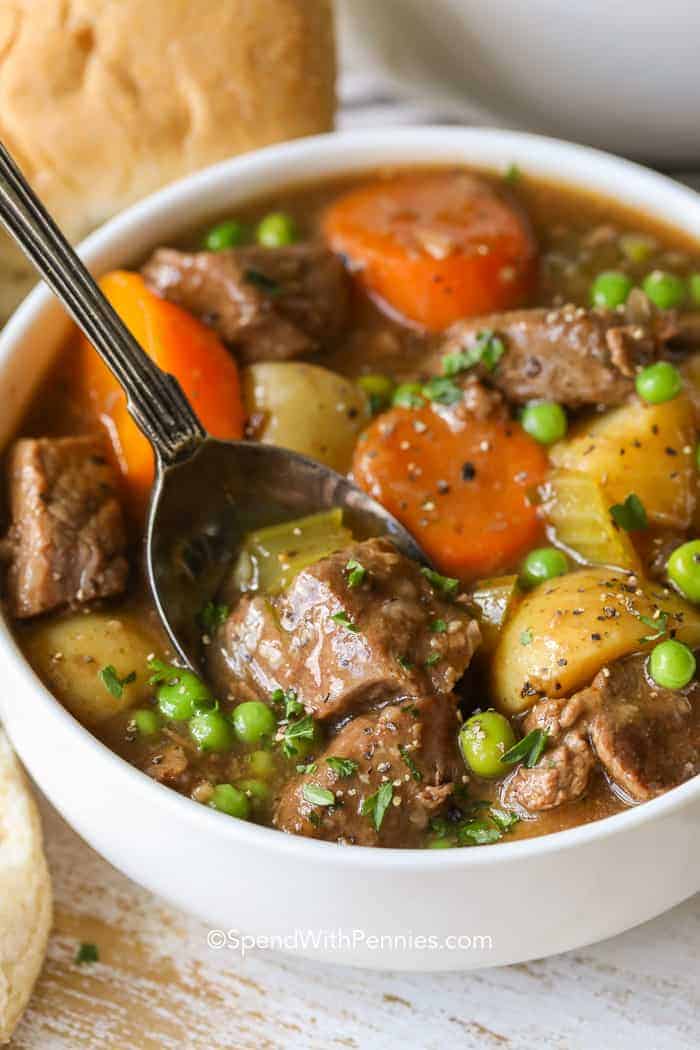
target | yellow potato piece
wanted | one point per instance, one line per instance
(640, 448)
(564, 631)
(69, 653)
(308, 409)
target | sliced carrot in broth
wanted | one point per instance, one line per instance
(460, 487)
(436, 247)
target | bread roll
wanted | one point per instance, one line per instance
(102, 102)
(25, 893)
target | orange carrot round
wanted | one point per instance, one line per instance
(461, 486)
(435, 248)
(179, 344)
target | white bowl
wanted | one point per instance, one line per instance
(618, 75)
(398, 909)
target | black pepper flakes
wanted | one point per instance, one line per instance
(468, 472)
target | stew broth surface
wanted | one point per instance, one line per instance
(579, 235)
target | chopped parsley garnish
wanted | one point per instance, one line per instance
(442, 390)
(262, 281)
(505, 819)
(481, 825)
(211, 616)
(302, 729)
(433, 659)
(87, 953)
(344, 620)
(659, 626)
(288, 697)
(113, 683)
(344, 767)
(630, 515)
(438, 626)
(446, 585)
(477, 833)
(412, 767)
(317, 795)
(376, 805)
(356, 573)
(526, 637)
(528, 750)
(513, 174)
(487, 350)
(403, 662)
(311, 767)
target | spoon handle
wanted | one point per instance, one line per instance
(155, 399)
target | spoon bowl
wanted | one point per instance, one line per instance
(203, 506)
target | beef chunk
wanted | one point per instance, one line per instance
(169, 765)
(410, 746)
(270, 304)
(563, 772)
(340, 647)
(647, 739)
(67, 536)
(572, 355)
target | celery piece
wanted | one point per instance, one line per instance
(270, 558)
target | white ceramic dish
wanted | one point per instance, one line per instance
(508, 902)
(617, 75)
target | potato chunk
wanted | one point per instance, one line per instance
(640, 448)
(306, 408)
(69, 653)
(564, 631)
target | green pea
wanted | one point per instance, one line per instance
(636, 247)
(408, 395)
(182, 694)
(262, 764)
(694, 288)
(545, 421)
(541, 565)
(671, 664)
(683, 569)
(276, 230)
(665, 290)
(228, 799)
(443, 843)
(253, 722)
(256, 791)
(484, 740)
(212, 731)
(659, 382)
(228, 234)
(379, 390)
(146, 721)
(610, 289)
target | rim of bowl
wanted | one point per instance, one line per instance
(242, 179)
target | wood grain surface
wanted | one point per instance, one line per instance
(157, 986)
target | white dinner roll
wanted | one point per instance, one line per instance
(103, 101)
(25, 892)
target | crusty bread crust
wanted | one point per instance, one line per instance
(25, 892)
(104, 102)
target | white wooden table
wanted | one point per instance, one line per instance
(158, 986)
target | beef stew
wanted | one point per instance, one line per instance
(512, 367)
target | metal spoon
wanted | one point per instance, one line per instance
(207, 493)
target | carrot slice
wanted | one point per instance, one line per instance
(179, 344)
(459, 485)
(435, 248)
